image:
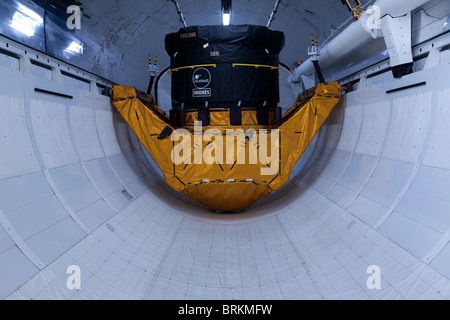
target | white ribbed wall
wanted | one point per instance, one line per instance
(391, 167)
(62, 170)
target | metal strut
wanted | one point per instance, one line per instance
(177, 6)
(356, 11)
(274, 12)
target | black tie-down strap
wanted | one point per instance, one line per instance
(165, 133)
(319, 72)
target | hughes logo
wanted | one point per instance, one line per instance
(201, 93)
(201, 78)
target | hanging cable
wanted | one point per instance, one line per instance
(182, 20)
(274, 12)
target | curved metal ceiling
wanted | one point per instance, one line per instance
(117, 36)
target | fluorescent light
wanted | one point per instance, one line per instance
(31, 14)
(74, 48)
(21, 24)
(26, 21)
(226, 18)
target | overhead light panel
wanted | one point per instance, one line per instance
(26, 21)
(226, 12)
(75, 48)
(226, 18)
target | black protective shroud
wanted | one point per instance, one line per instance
(225, 66)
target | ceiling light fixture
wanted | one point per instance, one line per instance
(75, 48)
(226, 18)
(26, 21)
(226, 12)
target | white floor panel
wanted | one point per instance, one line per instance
(316, 251)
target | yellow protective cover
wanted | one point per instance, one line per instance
(227, 185)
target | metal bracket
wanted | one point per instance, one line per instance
(397, 35)
(434, 59)
(153, 68)
(356, 11)
(57, 75)
(25, 64)
(314, 51)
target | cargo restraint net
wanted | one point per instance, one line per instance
(226, 143)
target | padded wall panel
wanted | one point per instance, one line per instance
(104, 178)
(36, 217)
(52, 133)
(55, 240)
(85, 132)
(428, 200)
(386, 183)
(374, 127)
(442, 261)
(106, 131)
(352, 180)
(410, 234)
(332, 171)
(96, 214)
(16, 269)
(74, 186)
(127, 174)
(23, 190)
(5, 240)
(409, 125)
(381, 190)
(437, 152)
(350, 128)
(16, 151)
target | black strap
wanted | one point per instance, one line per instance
(203, 116)
(319, 72)
(150, 85)
(279, 116)
(263, 116)
(236, 116)
(177, 118)
(165, 133)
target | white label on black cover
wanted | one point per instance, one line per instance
(201, 93)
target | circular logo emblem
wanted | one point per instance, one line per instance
(201, 78)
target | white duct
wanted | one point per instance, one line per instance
(354, 36)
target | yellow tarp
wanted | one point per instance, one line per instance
(227, 185)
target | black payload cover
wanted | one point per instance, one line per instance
(210, 64)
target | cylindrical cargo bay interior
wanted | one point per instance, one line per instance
(369, 197)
